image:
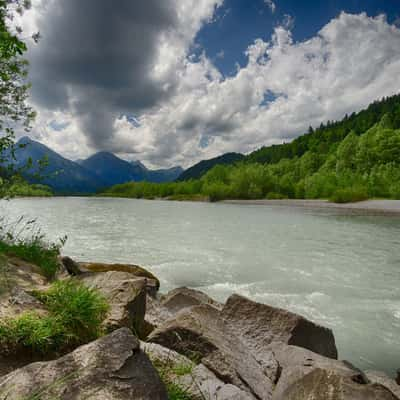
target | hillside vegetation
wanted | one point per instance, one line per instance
(351, 160)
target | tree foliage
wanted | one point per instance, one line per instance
(14, 110)
(349, 160)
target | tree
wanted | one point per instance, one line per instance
(14, 110)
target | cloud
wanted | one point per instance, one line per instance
(98, 60)
(185, 109)
(271, 5)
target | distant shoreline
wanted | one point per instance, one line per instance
(368, 207)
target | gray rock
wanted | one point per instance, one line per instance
(163, 307)
(111, 368)
(198, 381)
(259, 325)
(384, 380)
(71, 266)
(126, 295)
(296, 362)
(200, 332)
(322, 384)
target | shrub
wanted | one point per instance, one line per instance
(75, 314)
(349, 195)
(275, 196)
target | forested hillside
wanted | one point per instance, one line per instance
(351, 160)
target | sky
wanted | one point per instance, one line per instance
(173, 82)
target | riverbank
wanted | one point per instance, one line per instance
(181, 345)
(368, 207)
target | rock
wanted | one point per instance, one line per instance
(162, 308)
(322, 384)
(126, 296)
(17, 272)
(197, 381)
(199, 332)
(259, 325)
(111, 368)
(296, 362)
(71, 266)
(128, 268)
(183, 297)
(384, 380)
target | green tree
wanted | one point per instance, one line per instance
(14, 110)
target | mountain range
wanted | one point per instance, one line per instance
(100, 170)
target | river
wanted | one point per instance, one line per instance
(342, 271)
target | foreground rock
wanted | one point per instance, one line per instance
(163, 307)
(296, 362)
(111, 368)
(259, 325)
(196, 380)
(126, 296)
(199, 332)
(323, 384)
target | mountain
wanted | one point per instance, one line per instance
(61, 174)
(113, 170)
(85, 176)
(199, 169)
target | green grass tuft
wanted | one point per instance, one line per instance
(75, 314)
(81, 309)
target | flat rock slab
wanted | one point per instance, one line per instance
(199, 332)
(259, 325)
(111, 368)
(328, 385)
(78, 268)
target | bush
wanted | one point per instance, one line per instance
(275, 196)
(350, 195)
(75, 316)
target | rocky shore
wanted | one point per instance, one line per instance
(184, 340)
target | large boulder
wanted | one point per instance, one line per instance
(111, 368)
(200, 332)
(79, 268)
(126, 296)
(296, 362)
(322, 384)
(259, 325)
(163, 307)
(195, 380)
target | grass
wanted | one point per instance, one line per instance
(75, 314)
(167, 370)
(349, 195)
(23, 240)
